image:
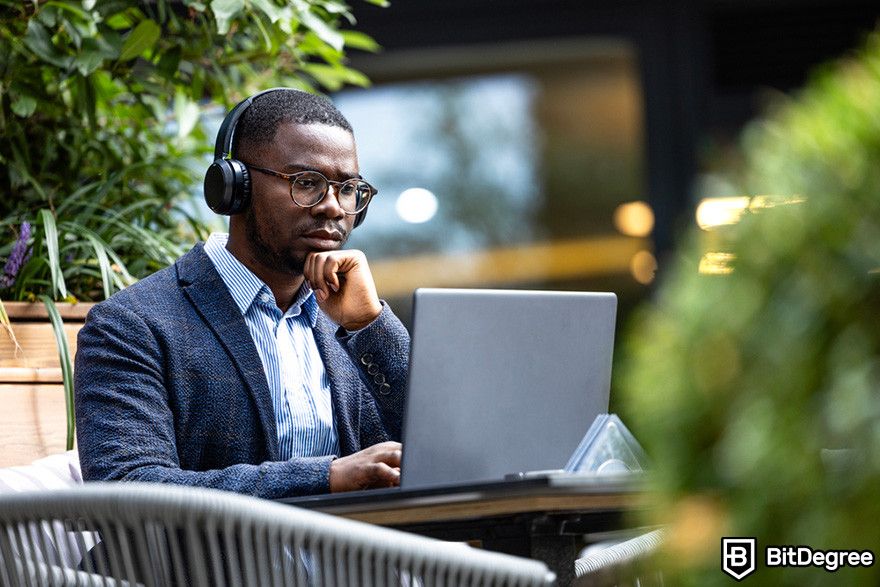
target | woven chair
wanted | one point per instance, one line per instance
(157, 535)
(626, 564)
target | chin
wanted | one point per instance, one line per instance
(295, 264)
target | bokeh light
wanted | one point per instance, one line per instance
(416, 205)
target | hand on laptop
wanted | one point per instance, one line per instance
(376, 466)
(344, 287)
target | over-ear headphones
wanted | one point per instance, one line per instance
(227, 180)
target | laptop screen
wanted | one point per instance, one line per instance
(502, 381)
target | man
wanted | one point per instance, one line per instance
(262, 362)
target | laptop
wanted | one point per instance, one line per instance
(501, 382)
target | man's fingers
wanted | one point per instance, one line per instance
(387, 445)
(309, 271)
(389, 453)
(321, 270)
(384, 476)
(316, 274)
(374, 466)
(331, 277)
(392, 458)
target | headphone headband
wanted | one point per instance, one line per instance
(226, 134)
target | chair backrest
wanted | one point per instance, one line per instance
(623, 564)
(169, 535)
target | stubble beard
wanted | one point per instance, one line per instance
(289, 261)
(279, 260)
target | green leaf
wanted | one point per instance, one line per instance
(335, 7)
(76, 11)
(382, 3)
(143, 37)
(223, 11)
(51, 237)
(333, 78)
(324, 31)
(93, 54)
(269, 9)
(119, 21)
(37, 39)
(187, 114)
(103, 262)
(88, 61)
(24, 106)
(66, 367)
(7, 325)
(359, 40)
(170, 62)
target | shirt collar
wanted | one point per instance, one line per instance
(245, 287)
(305, 303)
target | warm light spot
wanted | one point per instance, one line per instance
(416, 205)
(715, 212)
(643, 267)
(717, 263)
(634, 219)
(697, 522)
(761, 202)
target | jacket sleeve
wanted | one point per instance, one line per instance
(381, 353)
(125, 422)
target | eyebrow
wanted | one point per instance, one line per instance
(296, 167)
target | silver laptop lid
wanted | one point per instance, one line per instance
(502, 381)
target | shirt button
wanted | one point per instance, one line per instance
(266, 298)
(372, 368)
(379, 379)
(384, 389)
(366, 359)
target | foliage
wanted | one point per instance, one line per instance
(737, 384)
(100, 105)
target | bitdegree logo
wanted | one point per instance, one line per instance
(738, 557)
(804, 556)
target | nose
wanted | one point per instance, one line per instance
(329, 204)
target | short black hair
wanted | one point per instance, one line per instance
(259, 123)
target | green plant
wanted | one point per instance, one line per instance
(739, 384)
(100, 108)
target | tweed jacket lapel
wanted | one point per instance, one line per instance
(206, 291)
(343, 384)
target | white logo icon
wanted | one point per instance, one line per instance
(738, 556)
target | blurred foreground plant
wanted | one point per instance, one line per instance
(739, 384)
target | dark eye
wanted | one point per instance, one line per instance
(306, 183)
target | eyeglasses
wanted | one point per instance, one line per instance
(308, 188)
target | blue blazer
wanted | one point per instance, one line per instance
(170, 388)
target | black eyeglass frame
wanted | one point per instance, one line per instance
(291, 177)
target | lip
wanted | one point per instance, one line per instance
(323, 240)
(323, 234)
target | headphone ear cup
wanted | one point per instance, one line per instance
(360, 217)
(227, 186)
(241, 195)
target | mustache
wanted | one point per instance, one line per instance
(329, 226)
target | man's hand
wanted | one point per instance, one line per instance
(344, 287)
(376, 466)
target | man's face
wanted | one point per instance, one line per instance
(280, 233)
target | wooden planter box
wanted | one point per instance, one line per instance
(33, 423)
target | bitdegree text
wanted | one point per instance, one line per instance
(804, 556)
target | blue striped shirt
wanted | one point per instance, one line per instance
(286, 344)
